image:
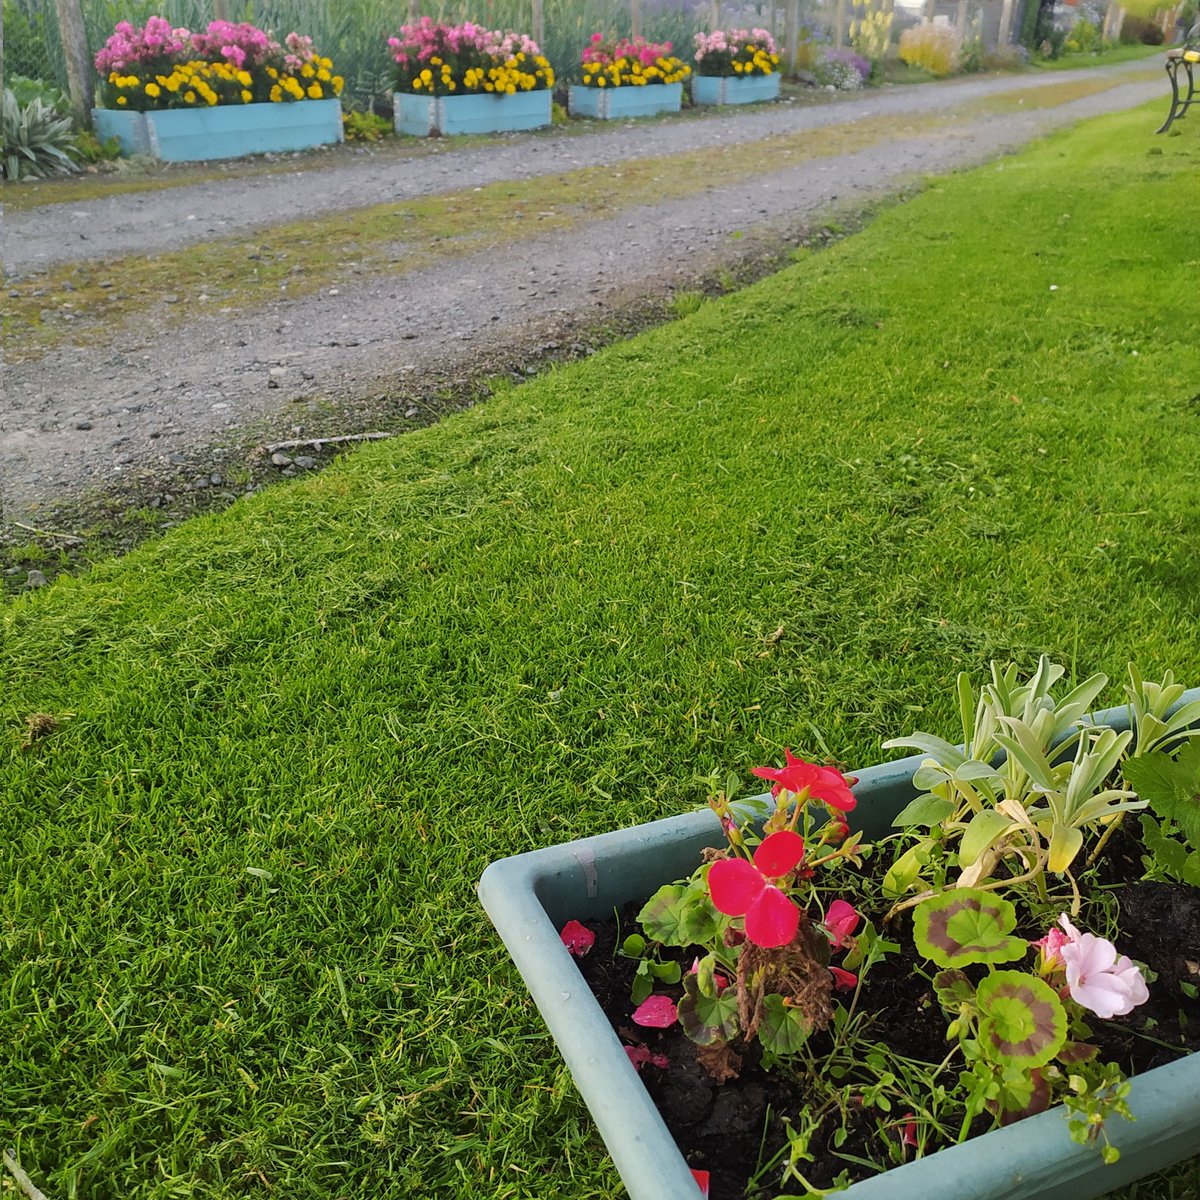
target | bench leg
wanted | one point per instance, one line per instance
(1174, 99)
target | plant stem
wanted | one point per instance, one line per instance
(1113, 826)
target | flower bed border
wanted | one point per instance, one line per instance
(223, 130)
(530, 896)
(732, 89)
(422, 116)
(616, 103)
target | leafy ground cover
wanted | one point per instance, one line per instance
(277, 748)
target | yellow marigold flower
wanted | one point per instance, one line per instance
(510, 90)
(451, 85)
(601, 82)
(435, 61)
(307, 71)
(122, 100)
(323, 75)
(243, 77)
(274, 74)
(153, 91)
(314, 92)
(247, 96)
(326, 62)
(489, 87)
(338, 84)
(190, 97)
(276, 94)
(417, 84)
(427, 76)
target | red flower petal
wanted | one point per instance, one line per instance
(577, 939)
(841, 920)
(734, 885)
(772, 920)
(832, 788)
(701, 1178)
(779, 853)
(843, 980)
(656, 1013)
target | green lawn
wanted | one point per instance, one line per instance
(239, 945)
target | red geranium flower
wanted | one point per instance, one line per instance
(743, 889)
(825, 784)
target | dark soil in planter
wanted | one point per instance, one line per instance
(731, 1129)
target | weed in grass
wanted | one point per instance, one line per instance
(683, 304)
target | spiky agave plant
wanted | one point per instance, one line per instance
(37, 139)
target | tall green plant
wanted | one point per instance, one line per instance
(37, 139)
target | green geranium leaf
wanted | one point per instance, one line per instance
(680, 914)
(643, 983)
(634, 946)
(707, 1019)
(1171, 786)
(784, 1029)
(1022, 1022)
(924, 811)
(966, 925)
(668, 972)
(1169, 854)
(953, 989)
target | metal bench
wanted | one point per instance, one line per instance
(1183, 59)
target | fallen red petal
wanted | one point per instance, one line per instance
(656, 1013)
(577, 938)
(701, 1178)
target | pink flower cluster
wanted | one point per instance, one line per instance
(429, 39)
(243, 45)
(722, 41)
(128, 46)
(602, 52)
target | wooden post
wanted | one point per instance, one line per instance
(715, 15)
(931, 9)
(961, 22)
(774, 20)
(635, 16)
(1004, 33)
(539, 22)
(792, 23)
(79, 60)
(220, 10)
(840, 37)
(413, 14)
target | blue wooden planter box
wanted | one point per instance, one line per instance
(487, 113)
(611, 104)
(531, 896)
(222, 131)
(749, 89)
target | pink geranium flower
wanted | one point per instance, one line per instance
(1103, 981)
(825, 784)
(744, 889)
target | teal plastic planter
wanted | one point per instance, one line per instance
(710, 89)
(222, 131)
(612, 104)
(531, 896)
(448, 115)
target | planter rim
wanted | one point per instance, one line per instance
(1030, 1160)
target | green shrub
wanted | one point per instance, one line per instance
(37, 139)
(365, 126)
(1136, 29)
(26, 90)
(90, 149)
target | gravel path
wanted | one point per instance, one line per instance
(86, 417)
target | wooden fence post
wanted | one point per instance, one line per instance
(220, 10)
(79, 60)
(1004, 33)
(539, 22)
(635, 17)
(840, 37)
(792, 22)
(961, 21)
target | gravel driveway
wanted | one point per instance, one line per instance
(98, 416)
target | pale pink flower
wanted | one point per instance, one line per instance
(1103, 981)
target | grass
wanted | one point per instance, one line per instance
(73, 301)
(241, 948)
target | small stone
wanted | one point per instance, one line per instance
(85, 425)
(216, 479)
(334, 292)
(171, 298)
(35, 579)
(272, 383)
(305, 462)
(277, 371)
(279, 459)
(307, 375)
(411, 412)
(201, 481)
